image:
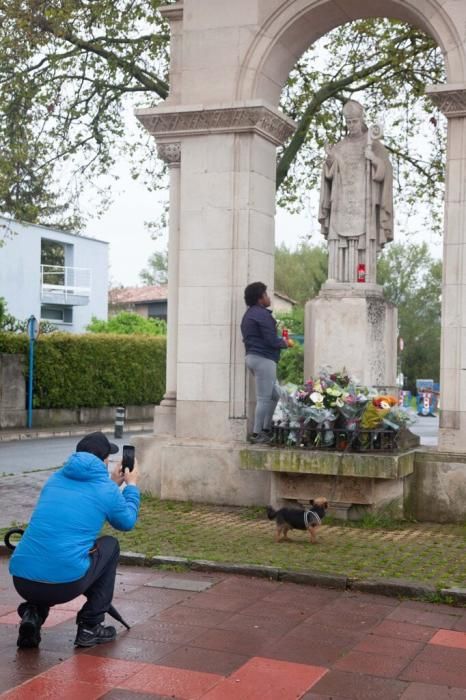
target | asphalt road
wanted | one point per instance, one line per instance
(44, 453)
(427, 429)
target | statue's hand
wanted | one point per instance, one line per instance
(329, 152)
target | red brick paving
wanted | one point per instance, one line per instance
(244, 639)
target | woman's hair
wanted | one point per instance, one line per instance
(253, 293)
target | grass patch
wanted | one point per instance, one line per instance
(371, 548)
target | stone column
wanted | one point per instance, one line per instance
(165, 414)
(226, 240)
(451, 99)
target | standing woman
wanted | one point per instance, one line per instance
(263, 346)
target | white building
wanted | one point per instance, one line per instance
(54, 275)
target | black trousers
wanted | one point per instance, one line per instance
(97, 585)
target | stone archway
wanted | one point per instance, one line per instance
(218, 131)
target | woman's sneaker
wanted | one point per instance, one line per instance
(88, 636)
(29, 629)
(261, 439)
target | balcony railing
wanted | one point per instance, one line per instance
(65, 285)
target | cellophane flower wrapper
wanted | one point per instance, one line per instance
(294, 412)
(354, 404)
(398, 418)
(373, 417)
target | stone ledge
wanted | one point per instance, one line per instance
(398, 588)
(355, 464)
(434, 455)
(393, 587)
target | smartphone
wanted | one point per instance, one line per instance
(128, 457)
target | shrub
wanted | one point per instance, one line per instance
(291, 365)
(128, 323)
(92, 370)
(293, 320)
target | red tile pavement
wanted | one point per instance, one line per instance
(243, 638)
(53, 689)
(423, 691)
(267, 678)
(174, 682)
(447, 638)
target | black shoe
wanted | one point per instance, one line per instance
(261, 439)
(88, 636)
(29, 629)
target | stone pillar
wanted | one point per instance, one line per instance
(451, 99)
(226, 240)
(165, 414)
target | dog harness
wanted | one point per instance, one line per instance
(311, 518)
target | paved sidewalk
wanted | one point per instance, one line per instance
(19, 496)
(223, 637)
(9, 435)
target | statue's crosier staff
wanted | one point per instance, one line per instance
(374, 133)
(19, 532)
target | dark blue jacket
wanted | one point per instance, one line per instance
(259, 330)
(73, 505)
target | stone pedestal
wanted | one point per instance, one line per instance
(354, 484)
(203, 471)
(352, 327)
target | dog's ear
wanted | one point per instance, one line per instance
(311, 501)
(326, 504)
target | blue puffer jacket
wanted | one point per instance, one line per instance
(73, 506)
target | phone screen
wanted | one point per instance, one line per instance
(128, 457)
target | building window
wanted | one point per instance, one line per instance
(56, 314)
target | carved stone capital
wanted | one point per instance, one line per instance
(170, 153)
(450, 99)
(255, 118)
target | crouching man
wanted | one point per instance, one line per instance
(60, 556)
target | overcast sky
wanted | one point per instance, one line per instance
(131, 245)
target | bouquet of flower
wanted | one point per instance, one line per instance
(398, 418)
(376, 410)
(320, 403)
(294, 412)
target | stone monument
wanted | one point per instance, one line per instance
(350, 324)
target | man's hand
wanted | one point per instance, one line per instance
(290, 342)
(117, 474)
(131, 478)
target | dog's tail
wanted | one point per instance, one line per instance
(271, 513)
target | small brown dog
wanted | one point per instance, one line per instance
(298, 519)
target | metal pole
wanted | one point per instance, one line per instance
(119, 421)
(32, 323)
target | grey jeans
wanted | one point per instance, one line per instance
(265, 375)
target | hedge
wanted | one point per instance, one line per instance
(93, 370)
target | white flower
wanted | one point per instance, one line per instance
(316, 397)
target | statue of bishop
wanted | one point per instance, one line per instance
(356, 200)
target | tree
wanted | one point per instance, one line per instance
(300, 273)
(10, 324)
(128, 323)
(66, 69)
(69, 69)
(156, 271)
(412, 280)
(385, 65)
